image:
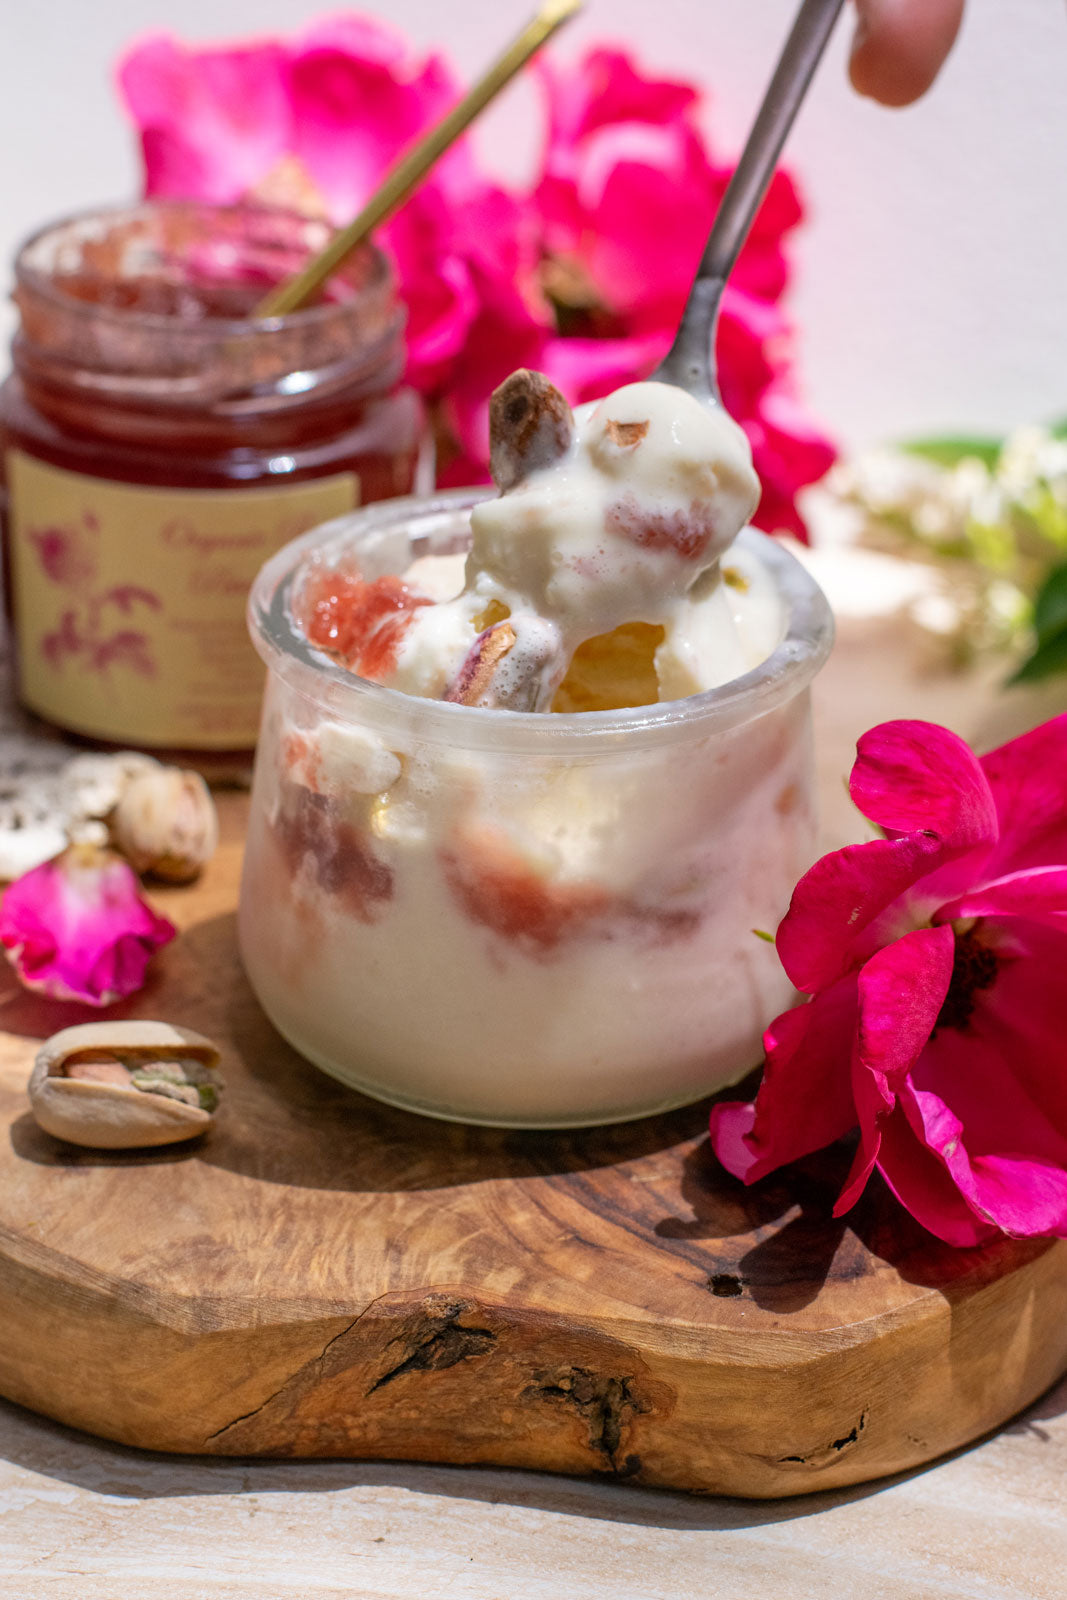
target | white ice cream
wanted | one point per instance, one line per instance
(522, 939)
(628, 526)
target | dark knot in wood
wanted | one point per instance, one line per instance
(606, 1404)
(437, 1342)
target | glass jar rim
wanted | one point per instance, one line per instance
(785, 673)
(40, 281)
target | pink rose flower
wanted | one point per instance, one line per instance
(935, 960)
(77, 928)
(583, 278)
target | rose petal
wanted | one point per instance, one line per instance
(849, 903)
(863, 1164)
(988, 1101)
(899, 993)
(1004, 1074)
(1028, 780)
(502, 338)
(916, 775)
(646, 195)
(805, 1099)
(1026, 1199)
(1017, 1194)
(1039, 894)
(791, 453)
(442, 298)
(358, 99)
(586, 369)
(606, 87)
(77, 928)
(213, 122)
(918, 778)
(923, 1186)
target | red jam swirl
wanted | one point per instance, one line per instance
(361, 622)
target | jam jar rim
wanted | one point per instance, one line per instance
(40, 281)
(806, 641)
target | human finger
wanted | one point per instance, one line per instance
(900, 46)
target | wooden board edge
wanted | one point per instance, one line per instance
(525, 1390)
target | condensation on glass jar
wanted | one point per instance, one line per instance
(160, 443)
(528, 920)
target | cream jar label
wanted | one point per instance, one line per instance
(129, 601)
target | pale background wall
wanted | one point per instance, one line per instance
(931, 283)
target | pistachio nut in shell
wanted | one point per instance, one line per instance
(165, 823)
(121, 1085)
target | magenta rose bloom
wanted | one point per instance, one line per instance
(583, 277)
(77, 928)
(935, 958)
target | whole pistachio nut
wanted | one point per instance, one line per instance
(119, 1085)
(165, 824)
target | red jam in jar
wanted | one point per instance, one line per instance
(160, 443)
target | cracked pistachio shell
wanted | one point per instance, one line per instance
(107, 1116)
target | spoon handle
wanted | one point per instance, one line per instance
(690, 362)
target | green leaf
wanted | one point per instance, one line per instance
(1058, 429)
(1050, 605)
(951, 450)
(761, 933)
(1048, 659)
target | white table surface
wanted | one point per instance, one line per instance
(92, 1521)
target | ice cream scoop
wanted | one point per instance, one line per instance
(611, 518)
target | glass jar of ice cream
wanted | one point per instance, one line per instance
(513, 918)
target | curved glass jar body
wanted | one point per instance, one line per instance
(160, 444)
(518, 919)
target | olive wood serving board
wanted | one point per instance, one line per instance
(324, 1276)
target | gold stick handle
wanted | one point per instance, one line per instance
(402, 178)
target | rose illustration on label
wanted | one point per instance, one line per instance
(86, 630)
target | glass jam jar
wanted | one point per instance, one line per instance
(518, 918)
(160, 443)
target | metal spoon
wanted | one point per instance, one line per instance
(690, 362)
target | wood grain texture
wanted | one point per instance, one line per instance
(325, 1276)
